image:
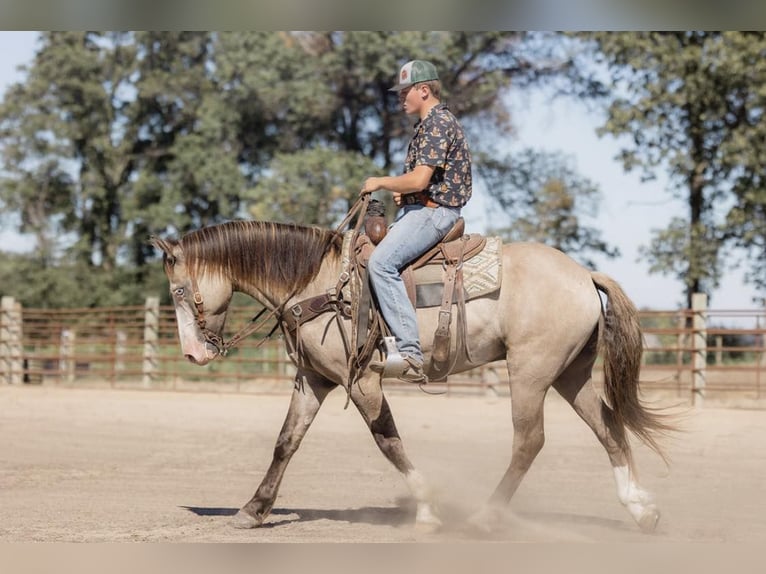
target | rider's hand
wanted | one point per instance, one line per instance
(370, 184)
(397, 198)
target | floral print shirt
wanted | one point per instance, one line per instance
(439, 141)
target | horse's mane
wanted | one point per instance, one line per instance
(280, 256)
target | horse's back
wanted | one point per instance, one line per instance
(544, 285)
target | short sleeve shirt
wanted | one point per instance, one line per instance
(439, 142)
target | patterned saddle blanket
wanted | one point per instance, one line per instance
(481, 266)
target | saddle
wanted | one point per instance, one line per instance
(436, 278)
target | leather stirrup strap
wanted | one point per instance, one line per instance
(441, 346)
(363, 309)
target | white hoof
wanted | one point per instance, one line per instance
(649, 519)
(244, 521)
(426, 520)
(636, 500)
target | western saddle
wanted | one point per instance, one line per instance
(352, 298)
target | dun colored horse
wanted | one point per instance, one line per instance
(548, 321)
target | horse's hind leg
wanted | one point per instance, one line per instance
(373, 406)
(309, 394)
(576, 386)
(528, 438)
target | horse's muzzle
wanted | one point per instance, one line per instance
(211, 352)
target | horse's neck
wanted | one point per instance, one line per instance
(326, 278)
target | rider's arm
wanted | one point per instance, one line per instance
(410, 182)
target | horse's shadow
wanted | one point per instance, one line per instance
(375, 515)
(403, 515)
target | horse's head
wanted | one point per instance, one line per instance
(201, 299)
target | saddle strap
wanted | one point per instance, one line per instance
(442, 334)
(453, 277)
(363, 309)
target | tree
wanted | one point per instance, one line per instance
(302, 90)
(692, 103)
(546, 200)
(317, 185)
(115, 136)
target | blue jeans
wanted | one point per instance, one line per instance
(415, 230)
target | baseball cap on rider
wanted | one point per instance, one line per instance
(414, 72)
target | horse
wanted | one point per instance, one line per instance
(549, 322)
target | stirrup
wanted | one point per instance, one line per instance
(397, 366)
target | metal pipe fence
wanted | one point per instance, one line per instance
(692, 353)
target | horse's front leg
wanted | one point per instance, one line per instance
(309, 394)
(368, 397)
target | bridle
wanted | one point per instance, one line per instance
(290, 322)
(253, 325)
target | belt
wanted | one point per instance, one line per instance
(420, 197)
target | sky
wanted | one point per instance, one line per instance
(628, 212)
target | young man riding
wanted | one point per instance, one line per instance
(435, 185)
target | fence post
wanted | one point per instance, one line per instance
(760, 357)
(699, 344)
(10, 341)
(718, 350)
(120, 348)
(67, 353)
(5, 336)
(681, 345)
(151, 338)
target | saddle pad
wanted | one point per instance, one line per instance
(481, 274)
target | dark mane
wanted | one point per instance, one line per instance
(280, 256)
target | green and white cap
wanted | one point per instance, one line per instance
(414, 72)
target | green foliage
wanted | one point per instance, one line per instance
(36, 284)
(316, 186)
(544, 199)
(691, 103)
(691, 252)
(116, 136)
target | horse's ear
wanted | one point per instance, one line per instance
(166, 247)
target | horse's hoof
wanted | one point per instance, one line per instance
(243, 520)
(485, 521)
(649, 519)
(426, 521)
(428, 527)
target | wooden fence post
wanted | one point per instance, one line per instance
(120, 348)
(699, 344)
(67, 354)
(5, 336)
(718, 350)
(11, 359)
(151, 339)
(681, 345)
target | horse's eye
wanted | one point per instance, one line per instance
(179, 292)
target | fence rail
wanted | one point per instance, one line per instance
(694, 352)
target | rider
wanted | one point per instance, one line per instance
(434, 186)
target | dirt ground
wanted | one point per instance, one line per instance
(98, 465)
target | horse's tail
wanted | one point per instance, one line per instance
(621, 345)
